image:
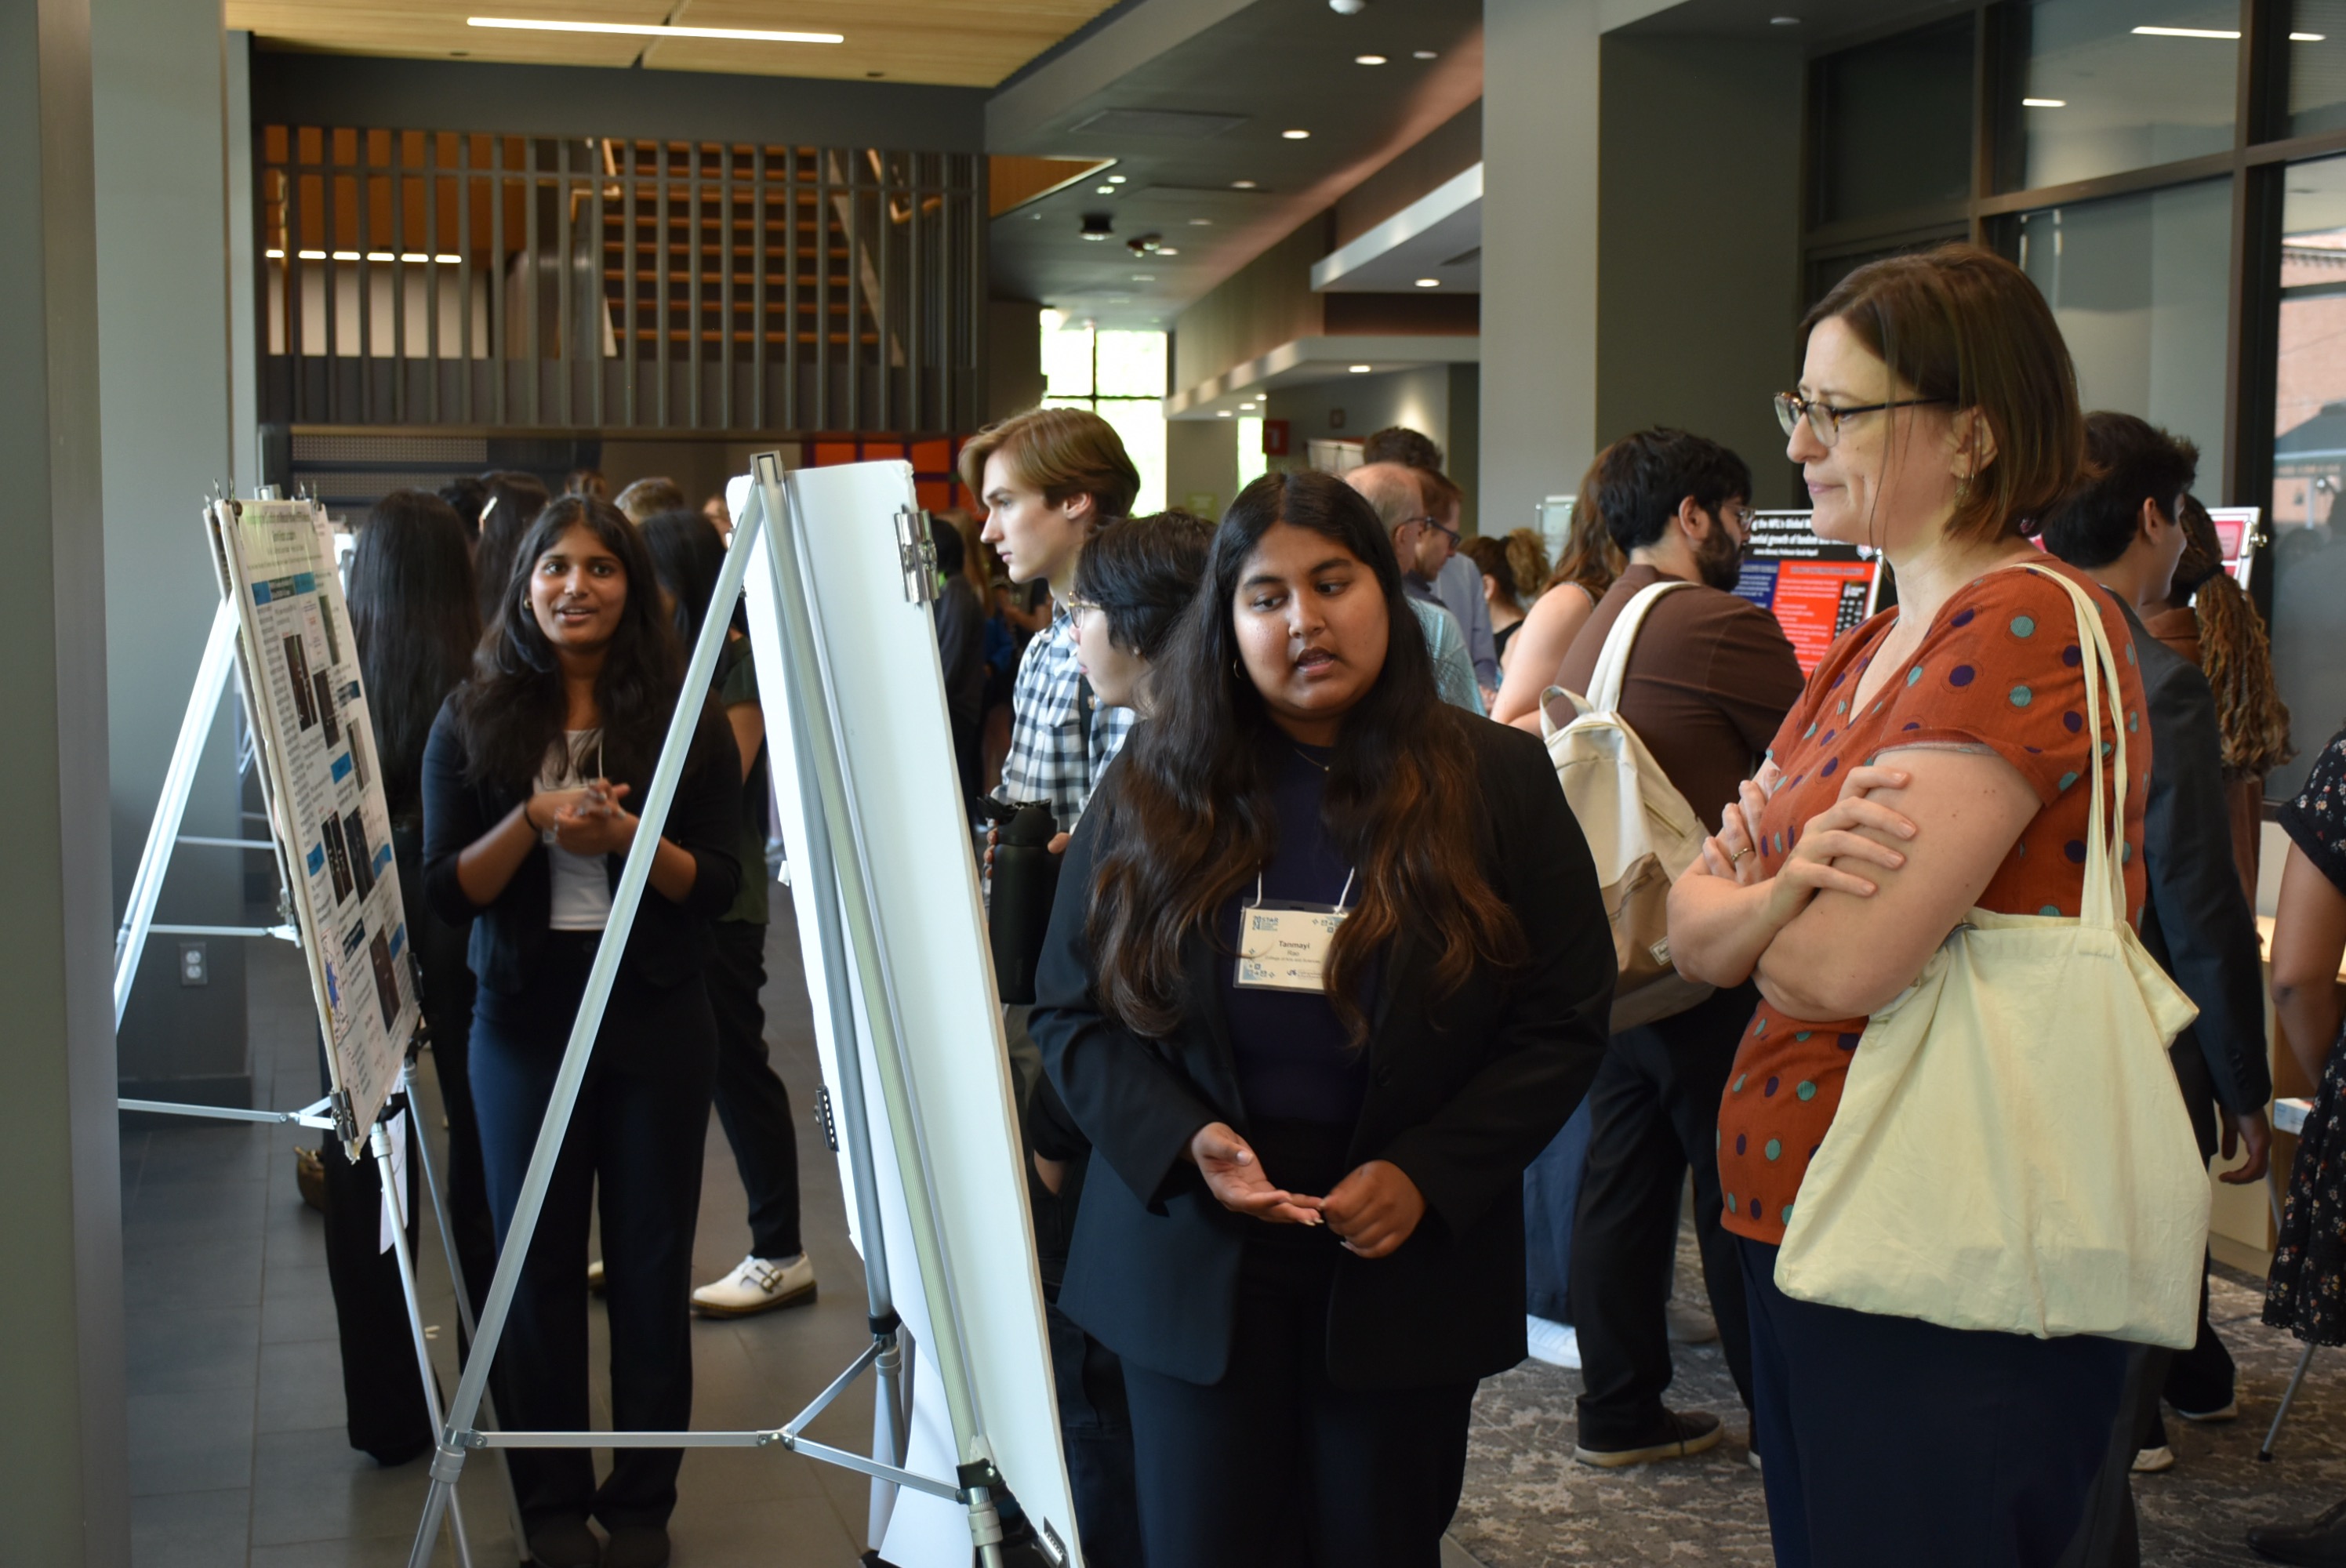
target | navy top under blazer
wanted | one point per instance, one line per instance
(665, 946)
(1464, 1091)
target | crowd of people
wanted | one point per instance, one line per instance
(1338, 1086)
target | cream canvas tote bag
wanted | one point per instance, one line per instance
(1638, 827)
(2011, 1151)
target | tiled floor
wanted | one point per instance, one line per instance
(238, 1454)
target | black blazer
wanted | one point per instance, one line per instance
(2196, 920)
(1464, 1090)
(665, 947)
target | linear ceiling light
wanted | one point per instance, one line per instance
(2044, 103)
(2188, 32)
(647, 30)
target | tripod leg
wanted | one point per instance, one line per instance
(888, 1432)
(2287, 1398)
(464, 1308)
(379, 1143)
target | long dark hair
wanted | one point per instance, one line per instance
(688, 556)
(1189, 814)
(514, 708)
(513, 502)
(414, 615)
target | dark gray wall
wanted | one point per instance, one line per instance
(1699, 201)
(64, 1494)
(585, 100)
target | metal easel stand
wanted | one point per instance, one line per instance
(884, 1354)
(2304, 1362)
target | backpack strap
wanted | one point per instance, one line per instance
(1613, 660)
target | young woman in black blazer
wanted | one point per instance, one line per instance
(527, 782)
(1303, 1232)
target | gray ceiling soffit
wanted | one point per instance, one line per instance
(1438, 235)
(1140, 35)
(1823, 24)
(1182, 125)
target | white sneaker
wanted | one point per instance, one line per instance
(2151, 1460)
(1558, 1344)
(759, 1285)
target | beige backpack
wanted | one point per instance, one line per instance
(1638, 827)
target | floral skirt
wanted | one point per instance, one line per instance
(2306, 1292)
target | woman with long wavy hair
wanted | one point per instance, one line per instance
(1329, 968)
(527, 783)
(1583, 570)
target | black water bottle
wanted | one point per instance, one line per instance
(1025, 880)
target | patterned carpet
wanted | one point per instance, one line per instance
(1528, 1505)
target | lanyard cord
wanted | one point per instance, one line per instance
(1341, 897)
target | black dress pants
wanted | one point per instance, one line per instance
(1275, 1466)
(382, 1392)
(752, 1105)
(636, 1133)
(1653, 1113)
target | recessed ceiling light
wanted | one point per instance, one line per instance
(646, 30)
(1168, 250)
(1368, 59)
(1420, 53)
(2044, 103)
(1428, 282)
(1144, 277)
(1106, 190)
(2188, 32)
(1360, 370)
(1201, 223)
(1118, 178)
(1783, 21)
(1295, 135)
(1242, 185)
(2307, 37)
(1221, 414)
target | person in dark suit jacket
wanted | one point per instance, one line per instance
(2122, 529)
(1328, 968)
(529, 778)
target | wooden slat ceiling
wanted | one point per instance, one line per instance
(952, 43)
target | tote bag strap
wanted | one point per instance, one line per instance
(1613, 658)
(2103, 903)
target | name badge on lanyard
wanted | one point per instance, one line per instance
(1283, 946)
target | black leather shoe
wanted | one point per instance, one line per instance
(564, 1544)
(1681, 1432)
(636, 1546)
(2316, 1542)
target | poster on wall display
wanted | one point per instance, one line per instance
(299, 664)
(1815, 589)
(2238, 531)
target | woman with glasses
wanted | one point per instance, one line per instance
(1935, 763)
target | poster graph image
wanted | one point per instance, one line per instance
(276, 563)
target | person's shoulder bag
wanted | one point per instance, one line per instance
(1638, 827)
(2010, 1153)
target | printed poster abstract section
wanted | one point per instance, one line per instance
(1815, 589)
(325, 795)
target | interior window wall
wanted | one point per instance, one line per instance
(2309, 557)
(2118, 84)
(1120, 376)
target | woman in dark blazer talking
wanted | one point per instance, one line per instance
(528, 780)
(1328, 969)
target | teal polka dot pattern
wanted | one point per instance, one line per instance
(1730, 1202)
(2021, 696)
(1787, 1214)
(1775, 1149)
(2068, 778)
(1738, 1082)
(1807, 1091)
(2050, 910)
(1913, 675)
(2024, 627)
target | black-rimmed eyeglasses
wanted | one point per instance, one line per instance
(1825, 421)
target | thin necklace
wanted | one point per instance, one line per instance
(1309, 757)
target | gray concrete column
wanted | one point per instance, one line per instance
(171, 404)
(63, 1487)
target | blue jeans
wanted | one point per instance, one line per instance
(1550, 1199)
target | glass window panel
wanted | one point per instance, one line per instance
(1132, 364)
(2317, 66)
(1895, 118)
(1141, 423)
(1067, 358)
(2103, 95)
(2139, 285)
(2308, 558)
(1252, 464)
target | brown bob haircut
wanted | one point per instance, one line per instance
(1062, 451)
(1963, 325)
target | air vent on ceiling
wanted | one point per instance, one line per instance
(1184, 123)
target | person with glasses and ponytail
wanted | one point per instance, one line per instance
(1328, 968)
(530, 781)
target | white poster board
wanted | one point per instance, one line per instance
(890, 700)
(301, 668)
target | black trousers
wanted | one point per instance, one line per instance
(382, 1392)
(752, 1105)
(638, 1133)
(1653, 1113)
(1890, 1440)
(1274, 1466)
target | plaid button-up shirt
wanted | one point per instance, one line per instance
(1048, 760)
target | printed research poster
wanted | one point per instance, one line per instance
(325, 797)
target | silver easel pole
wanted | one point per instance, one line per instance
(448, 1460)
(891, 1426)
(387, 1175)
(805, 667)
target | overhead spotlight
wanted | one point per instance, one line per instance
(1368, 59)
(1428, 282)
(1098, 225)
(1167, 250)
(1360, 370)
(1143, 244)
(1295, 135)
(1242, 185)
(1201, 223)
(1105, 191)
(1420, 53)
(1118, 178)
(1348, 8)
(1221, 414)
